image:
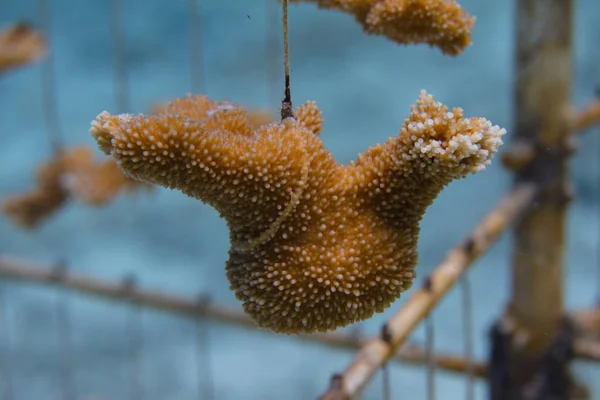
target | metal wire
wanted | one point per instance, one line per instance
(197, 79)
(467, 312)
(49, 98)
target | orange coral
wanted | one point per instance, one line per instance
(29, 209)
(256, 118)
(19, 45)
(73, 174)
(315, 245)
(439, 23)
(94, 183)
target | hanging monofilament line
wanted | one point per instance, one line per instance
(118, 38)
(135, 337)
(598, 227)
(64, 345)
(197, 81)
(203, 356)
(598, 213)
(467, 313)
(271, 50)
(5, 350)
(49, 99)
(429, 344)
(385, 371)
(286, 104)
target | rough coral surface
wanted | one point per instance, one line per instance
(315, 245)
(440, 23)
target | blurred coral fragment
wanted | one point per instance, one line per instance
(72, 175)
(20, 44)
(439, 23)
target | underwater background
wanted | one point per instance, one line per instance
(364, 86)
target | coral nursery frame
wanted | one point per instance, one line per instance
(536, 367)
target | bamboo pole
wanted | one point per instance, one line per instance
(587, 349)
(587, 343)
(543, 121)
(587, 117)
(542, 99)
(30, 271)
(522, 152)
(588, 321)
(379, 350)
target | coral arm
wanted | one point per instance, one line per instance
(250, 179)
(435, 146)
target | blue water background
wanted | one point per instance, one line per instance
(364, 85)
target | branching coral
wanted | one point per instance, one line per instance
(315, 245)
(439, 23)
(73, 174)
(19, 45)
